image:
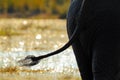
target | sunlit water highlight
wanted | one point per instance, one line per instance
(63, 62)
(58, 67)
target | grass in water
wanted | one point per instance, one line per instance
(14, 73)
(8, 32)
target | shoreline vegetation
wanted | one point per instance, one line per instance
(34, 8)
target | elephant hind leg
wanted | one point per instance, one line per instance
(83, 61)
(106, 55)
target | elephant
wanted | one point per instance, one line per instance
(93, 28)
(97, 47)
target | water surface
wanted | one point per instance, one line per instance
(22, 37)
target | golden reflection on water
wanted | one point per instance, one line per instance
(27, 35)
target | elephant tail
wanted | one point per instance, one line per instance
(32, 60)
(71, 40)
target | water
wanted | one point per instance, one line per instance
(63, 62)
(21, 37)
(58, 67)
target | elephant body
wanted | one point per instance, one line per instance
(97, 48)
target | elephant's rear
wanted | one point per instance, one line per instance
(106, 46)
(100, 38)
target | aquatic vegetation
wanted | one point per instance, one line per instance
(9, 69)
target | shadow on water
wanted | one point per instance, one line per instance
(20, 37)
